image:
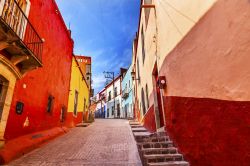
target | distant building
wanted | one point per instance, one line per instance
(110, 98)
(78, 105)
(113, 98)
(85, 65)
(101, 105)
(127, 94)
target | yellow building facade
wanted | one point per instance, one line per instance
(78, 103)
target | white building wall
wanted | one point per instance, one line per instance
(168, 24)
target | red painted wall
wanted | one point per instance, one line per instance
(72, 121)
(149, 120)
(210, 132)
(53, 78)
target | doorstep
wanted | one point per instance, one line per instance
(21, 145)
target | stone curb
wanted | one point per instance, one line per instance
(19, 146)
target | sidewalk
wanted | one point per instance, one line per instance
(24, 144)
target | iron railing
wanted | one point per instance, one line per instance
(125, 93)
(13, 15)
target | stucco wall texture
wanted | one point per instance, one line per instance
(207, 99)
(52, 79)
(77, 83)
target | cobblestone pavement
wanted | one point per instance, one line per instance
(106, 142)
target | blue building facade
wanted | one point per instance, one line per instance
(127, 94)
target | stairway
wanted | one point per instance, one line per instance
(156, 149)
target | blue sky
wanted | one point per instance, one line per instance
(104, 30)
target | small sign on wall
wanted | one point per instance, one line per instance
(19, 108)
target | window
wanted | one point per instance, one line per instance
(107, 112)
(138, 71)
(109, 97)
(14, 17)
(63, 114)
(147, 11)
(118, 110)
(113, 110)
(143, 101)
(84, 104)
(75, 103)
(50, 103)
(4, 83)
(115, 91)
(143, 45)
(147, 96)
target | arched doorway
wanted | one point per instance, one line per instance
(4, 83)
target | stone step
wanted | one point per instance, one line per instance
(139, 129)
(158, 134)
(134, 123)
(170, 163)
(153, 139)
(170, 150)
(135, 126)
(152, 158)
(145, 145)
(142, 134)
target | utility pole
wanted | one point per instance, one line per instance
(111, 75)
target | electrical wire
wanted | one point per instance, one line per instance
(177, 28)
(178, 11)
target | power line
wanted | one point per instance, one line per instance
(178, 11)
(172, 21)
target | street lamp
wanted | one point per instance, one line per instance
(133, 75)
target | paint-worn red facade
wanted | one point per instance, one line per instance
(52, 79)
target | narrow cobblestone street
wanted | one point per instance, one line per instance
(105, 142)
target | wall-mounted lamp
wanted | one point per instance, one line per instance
(133, 75)
(161, 82)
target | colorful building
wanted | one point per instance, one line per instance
(101, 104)
(85, 65)
(40, 98)
(78, 104)
(191, 60)
(127, 94)
(113, 98)
(21, 48)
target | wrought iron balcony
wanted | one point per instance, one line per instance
(18, 38)
(125, 93)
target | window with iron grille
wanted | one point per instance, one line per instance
(63, 114)
(147, 11)
(109, 97)
(75, 103)
(115, 91)
(143, 45)
(138, 71)
(50, 103)
(113, 110)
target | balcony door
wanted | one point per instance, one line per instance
(13, 13)
(4, 83)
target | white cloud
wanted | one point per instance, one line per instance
(98, 81)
